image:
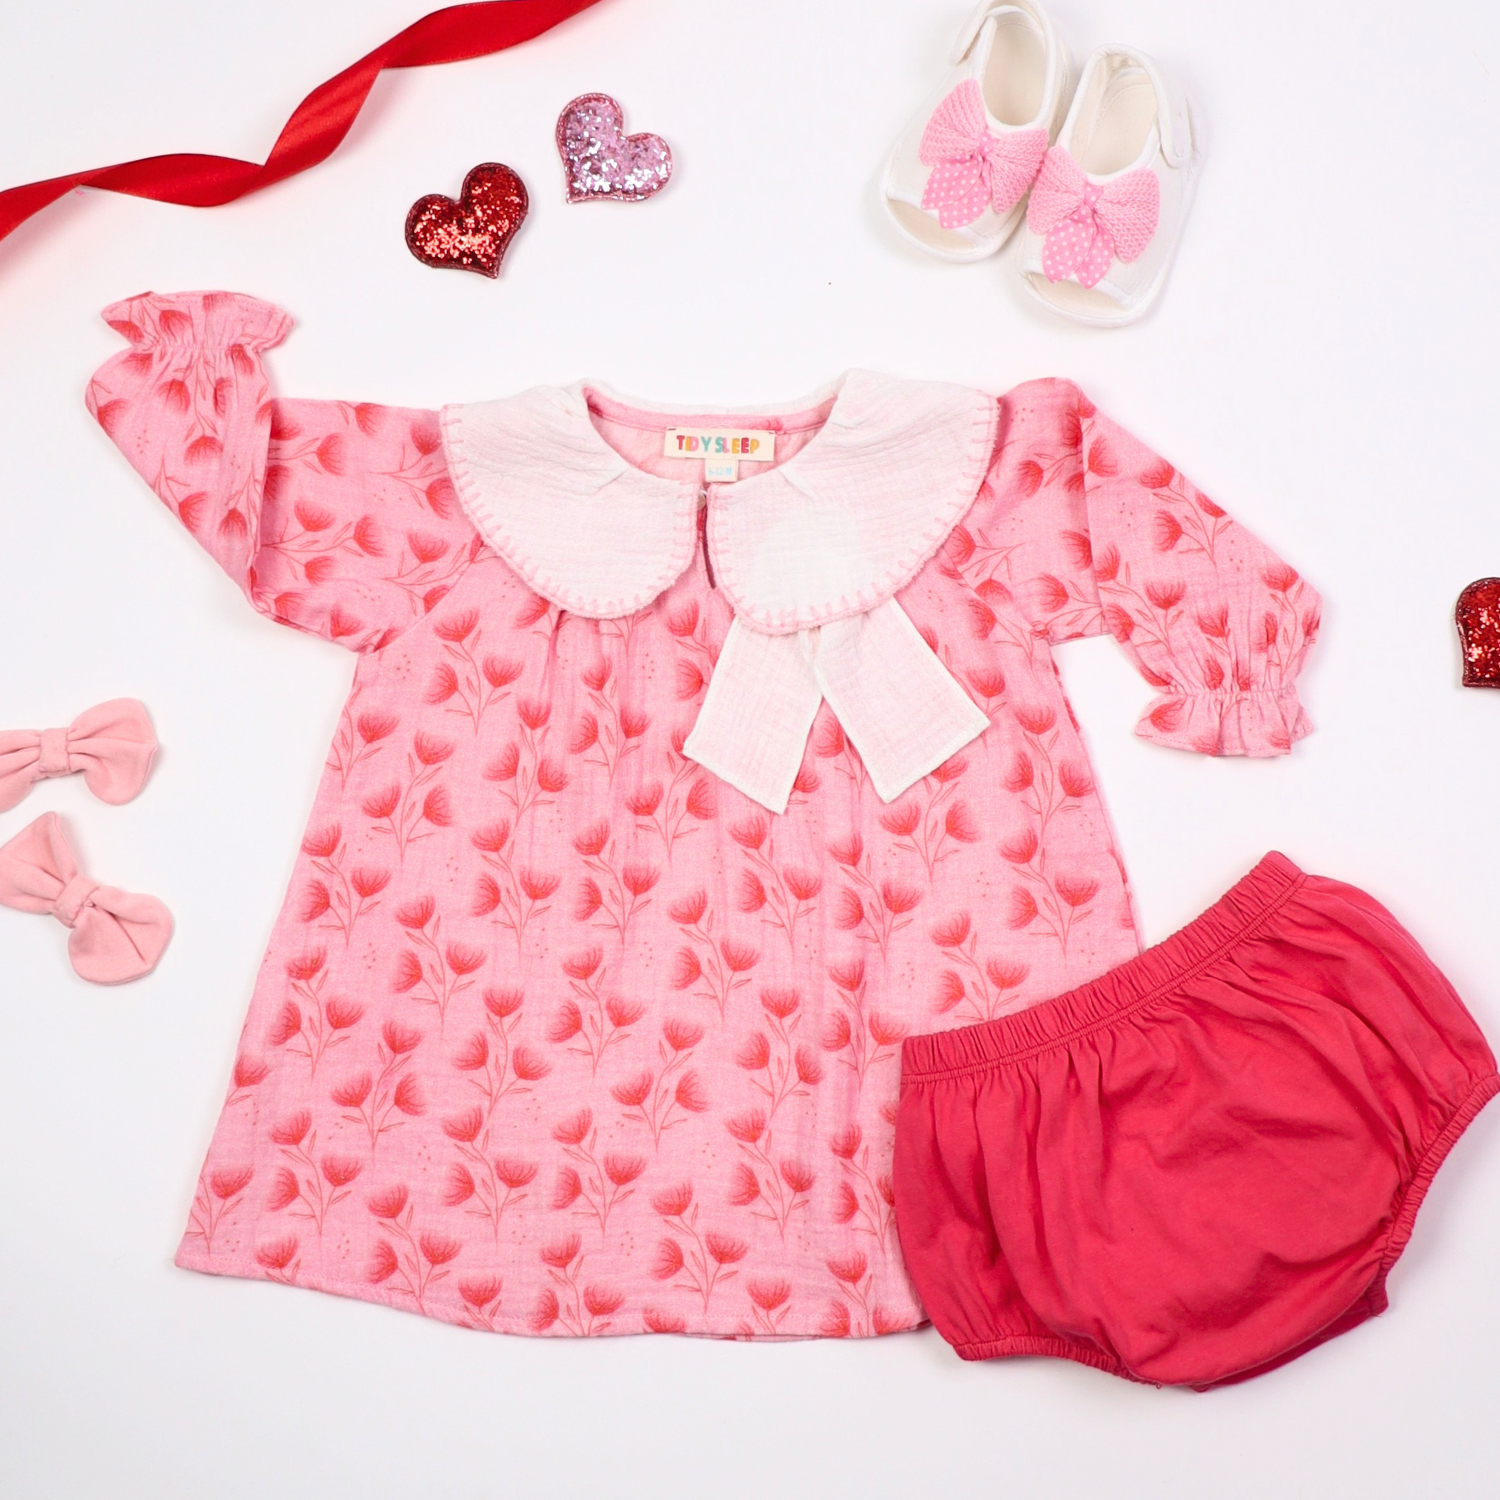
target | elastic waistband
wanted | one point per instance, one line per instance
(1237, 915)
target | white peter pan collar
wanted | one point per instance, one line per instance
(832, 532)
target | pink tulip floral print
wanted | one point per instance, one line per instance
(559, 1034)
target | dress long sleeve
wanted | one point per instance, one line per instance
(335, 517)
(1107, 536)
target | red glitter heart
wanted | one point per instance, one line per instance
(472, 233)
(1478, 620)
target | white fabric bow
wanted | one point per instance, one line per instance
(901, 708)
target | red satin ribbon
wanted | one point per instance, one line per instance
(317, 125)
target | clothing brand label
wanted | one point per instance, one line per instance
(722, 449)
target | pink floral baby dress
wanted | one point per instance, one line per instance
(661, 811)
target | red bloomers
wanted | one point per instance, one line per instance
(1202, 1164)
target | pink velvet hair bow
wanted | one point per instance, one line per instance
(973, 168)
(115, 936)
(1087, 225)
(113, 744)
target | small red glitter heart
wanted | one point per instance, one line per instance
(472, 233)
(1478, 620)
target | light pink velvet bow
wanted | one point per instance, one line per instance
(973, 168)
(112, 744)
(115, 936)
(1086, 225)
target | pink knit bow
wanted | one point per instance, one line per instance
(973, 168)
(1086, 225)
(114, 935)
(112, 744)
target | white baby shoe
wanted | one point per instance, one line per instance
(956, 182)
(1107, 208)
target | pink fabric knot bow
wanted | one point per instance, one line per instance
(1087, 225)
(113, 744)
(114, 935)
(973, 168)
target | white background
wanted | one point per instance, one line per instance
(1323, 363)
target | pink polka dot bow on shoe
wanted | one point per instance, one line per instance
(1087, 225)
(973, 168)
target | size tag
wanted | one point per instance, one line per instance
(722, 449)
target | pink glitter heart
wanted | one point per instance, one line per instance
(601, 160)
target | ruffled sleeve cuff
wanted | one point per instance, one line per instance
(1257, 724)
(219, 320)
